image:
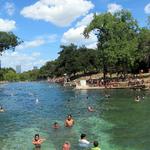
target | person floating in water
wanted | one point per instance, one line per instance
(83, 142)
(37, 141)
(90, 109)
(1, 109)
(37, 100)
(137, 98)
(66, 146)
(56, 125)
(95, 144)
(69, 122)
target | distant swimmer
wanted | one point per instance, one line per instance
(37, 141)
(90, 109)
(1, 109)
(56, 125)
(137, 98)
(66, 146)
(95, 144)
(37, 100)
(107, 96)
(69, 122)
(31, 94)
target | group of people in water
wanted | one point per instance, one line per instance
(69, 122)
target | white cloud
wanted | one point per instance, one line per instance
(40, 40)
(86, 20)
(147, 9)
(113, 8)
(27, 61)
(7, 25)
(10, 8)
(31, 44)
(75, 35)
(59, 12)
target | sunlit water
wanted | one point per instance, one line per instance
(119, 123)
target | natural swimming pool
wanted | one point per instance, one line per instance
(119, 123)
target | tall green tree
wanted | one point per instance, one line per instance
(87, 59)
(117, 39)
(67, 60)
(144, 47)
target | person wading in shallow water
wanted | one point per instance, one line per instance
(69, 122)
(66, 146)
(83, 142)
(56, 125)
(95, 144)
(37, 141)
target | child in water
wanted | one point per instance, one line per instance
(95, 144)
(56, 125)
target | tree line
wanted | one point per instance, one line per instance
(122, 47)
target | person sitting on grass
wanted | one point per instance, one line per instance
(69, 122)
(37, 141)
(95, 144)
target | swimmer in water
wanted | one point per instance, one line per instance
(69, 122)
(1, 109)
(66, 146)
(107, 96)
(37, 101)
(56, 125)
(137, 98)
(90, 109)
(37, 141)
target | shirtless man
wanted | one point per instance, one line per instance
(69, 122)
(37, 141)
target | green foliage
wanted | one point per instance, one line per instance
(71, 60)
(67, 60)
(117, 40)
(122, 47)
(8, 40)
(5, 71)
(11, 76)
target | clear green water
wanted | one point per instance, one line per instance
(118, 123)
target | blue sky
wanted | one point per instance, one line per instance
(44, 25)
